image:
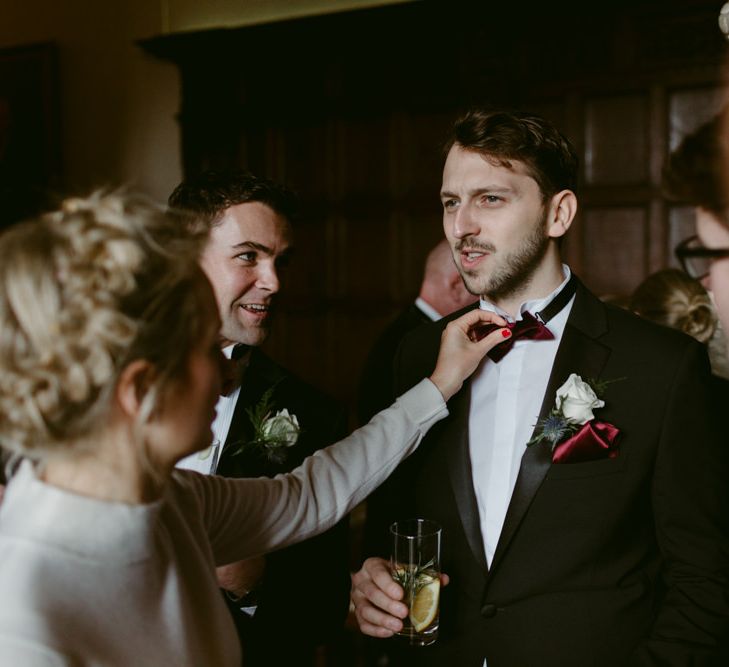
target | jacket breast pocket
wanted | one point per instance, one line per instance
(587, 469)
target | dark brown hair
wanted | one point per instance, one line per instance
(694, 172)
(503, 136)
(205, 197)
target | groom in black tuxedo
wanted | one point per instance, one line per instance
(290, 601)
(588, 547)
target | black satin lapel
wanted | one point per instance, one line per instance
(577, 353)
(250, 393)
(455, 433)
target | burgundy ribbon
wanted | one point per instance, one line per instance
(595, 440)
(527, 327)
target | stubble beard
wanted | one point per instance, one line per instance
(515, 272)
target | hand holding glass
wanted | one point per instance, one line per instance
(415, 565)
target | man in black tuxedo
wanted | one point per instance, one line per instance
(596, 550)
(288, 602)
(441, 292)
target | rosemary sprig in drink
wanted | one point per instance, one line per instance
(413, 578)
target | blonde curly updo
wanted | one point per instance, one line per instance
(83, 292)
(674, 299)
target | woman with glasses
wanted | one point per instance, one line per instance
(695, 174)
(109, 375)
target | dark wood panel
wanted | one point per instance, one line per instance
(680, 226)
(616, 140)
(690, 107)
(615, 249)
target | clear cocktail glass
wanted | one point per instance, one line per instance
(415, 565)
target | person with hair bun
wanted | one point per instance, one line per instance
(672, 298)
(110, 369)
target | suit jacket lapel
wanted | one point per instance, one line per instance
(579, 352)
(455, 433)
(257, 378)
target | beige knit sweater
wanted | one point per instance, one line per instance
(88, 582)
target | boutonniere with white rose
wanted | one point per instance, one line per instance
(570, 428)
(273, 434)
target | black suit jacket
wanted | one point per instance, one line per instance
(304, 596)
(603, 563)
(375, 391)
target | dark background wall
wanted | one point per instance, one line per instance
(351, 110)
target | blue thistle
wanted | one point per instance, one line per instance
(553, 428)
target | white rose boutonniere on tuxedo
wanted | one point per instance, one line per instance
(577, 400)
(282, 429)
(575, 436)
(273, 433)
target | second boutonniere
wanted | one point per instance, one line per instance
(572, 431)
(273, 433)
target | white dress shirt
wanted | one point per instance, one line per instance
(206, 461)
(506, 398)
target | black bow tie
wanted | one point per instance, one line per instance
(238, 351)
(529, 327)
(233, 369)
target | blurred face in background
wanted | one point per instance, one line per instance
(714, 234)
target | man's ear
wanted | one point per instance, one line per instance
(562, 210)
(132, 386)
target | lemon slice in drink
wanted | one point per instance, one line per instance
(425, 605)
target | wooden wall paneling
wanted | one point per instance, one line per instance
(657, 153)
(690, 107)
(615, 140)
(419, 143)
(307, 154)
(393, 257)
(615, 249)
(363, 199)
(365, 260)
(680, 226)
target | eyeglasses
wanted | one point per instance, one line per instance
(696, 259)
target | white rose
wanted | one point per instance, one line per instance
(282, 428)
(577, 400)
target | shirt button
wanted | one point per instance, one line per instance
(488, 610)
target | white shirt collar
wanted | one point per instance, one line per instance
(431, 312)
(532, 306)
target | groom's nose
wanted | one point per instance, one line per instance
(267, 277)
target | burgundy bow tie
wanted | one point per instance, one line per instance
(528, 327)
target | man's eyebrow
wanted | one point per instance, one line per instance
(486, 189)
(254, 246)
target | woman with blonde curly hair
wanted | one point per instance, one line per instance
(109, 374)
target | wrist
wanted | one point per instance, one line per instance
(446, 389)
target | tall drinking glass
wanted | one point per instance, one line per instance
(415, 565)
